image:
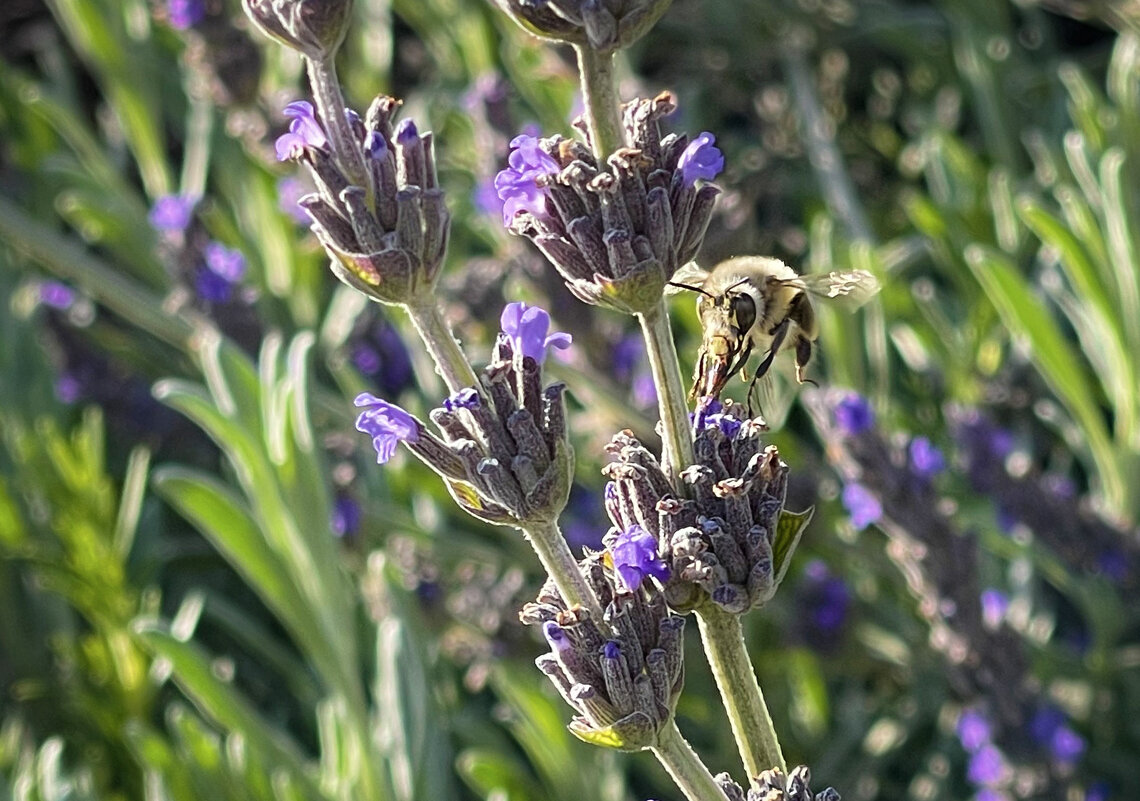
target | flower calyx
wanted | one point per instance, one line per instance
(617, 232)
(623, 674)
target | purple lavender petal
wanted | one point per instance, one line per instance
(987, 766)
(227, 263)
(518, 186)
(926, 460)
(526, 327)
(700, 160)
(386, 423)
(56, 295)
(973, 730)
(634, 554)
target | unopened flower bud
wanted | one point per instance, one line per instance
(603, 26)
(314, 28)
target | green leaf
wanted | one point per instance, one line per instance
(1025, 317)
(789, 529)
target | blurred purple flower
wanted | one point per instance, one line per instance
(827, 599)
(345, 516)
(172, 212)
(222, 268)
(304, 131)
(990, 794)
(635, 557)
(701, 159)
(1044, 724)
(290, 190)
(1066, 745)
(518, 185)
(973, 729)
(68, 388)
(853, 414)
(526, 327)
(644, 390)
(379, 353)
(487, 199)
(986, 767)
(56, 295)
(185, 13)
(994, 606)
(926, 460)
(861, 504)
(583, 521)
(386, 423)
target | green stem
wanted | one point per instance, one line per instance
(599, 93)
(677, 450)
(331, 107)
(449, 359)
(683, 764)
(752, 727)
(550, 545)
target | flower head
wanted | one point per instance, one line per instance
(304, 131)
(185, 14)
(518, 186)
(526, 327)
(172, 212)
(700, 160)
(854, 415)
(314, 29)
(635, 557)
(861, 504)
(386, 423)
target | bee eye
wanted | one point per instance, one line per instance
(743, 312)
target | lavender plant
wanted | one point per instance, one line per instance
(617, 214)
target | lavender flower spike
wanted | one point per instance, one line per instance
(386, 423)
(304, 131)
(635, 558)
(518, 186)
(701, 159)
(526, 326)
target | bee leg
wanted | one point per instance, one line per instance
(803, 356)
(778, 334)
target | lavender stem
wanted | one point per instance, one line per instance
(677, 450)
(331, 108)
(684, 766)
(723, 640)
(599, 94)
(449, 359)
(550, 545)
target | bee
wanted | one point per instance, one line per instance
(758, 304)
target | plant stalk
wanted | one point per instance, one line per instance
(560, 564)
(331, 107)
(449, 359)
(599, 94)
(684, 766)
(677, 439)
(723, 640)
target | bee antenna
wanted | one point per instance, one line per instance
(690, 288)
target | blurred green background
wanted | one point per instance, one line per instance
(209, 589)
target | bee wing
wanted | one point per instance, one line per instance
(851, 289)
(688, 276)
